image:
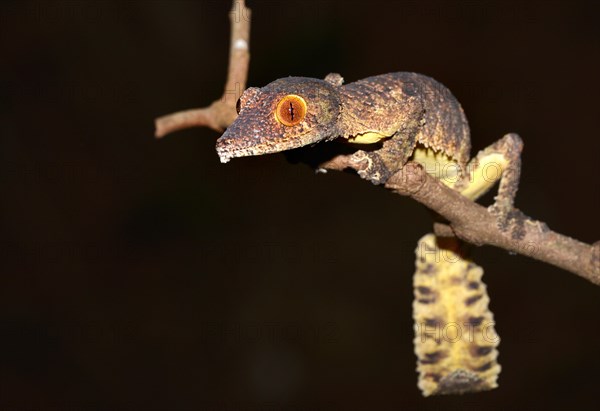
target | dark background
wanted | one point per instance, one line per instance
(143, 274)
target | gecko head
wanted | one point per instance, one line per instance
(288, 113)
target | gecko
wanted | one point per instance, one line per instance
(392, 119)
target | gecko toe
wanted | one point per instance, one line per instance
(509, 219)
(369, 166)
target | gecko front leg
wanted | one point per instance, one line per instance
(381, 164)
(378, 165)
(368, 165)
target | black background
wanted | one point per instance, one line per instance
(143, 274)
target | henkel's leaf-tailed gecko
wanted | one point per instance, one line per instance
(398, 117)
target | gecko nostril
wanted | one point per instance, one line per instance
(290, 110)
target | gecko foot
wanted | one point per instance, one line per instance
(370, 167)
(509, 219)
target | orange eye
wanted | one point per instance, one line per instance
(290, 110)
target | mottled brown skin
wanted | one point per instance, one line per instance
(410, 108)
(404, 111)
(405, 108)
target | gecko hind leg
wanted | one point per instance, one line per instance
(500, 161)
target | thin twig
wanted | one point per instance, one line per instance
(220, 113)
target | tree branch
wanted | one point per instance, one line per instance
(475, 224)
(220, 113)
(467, 220)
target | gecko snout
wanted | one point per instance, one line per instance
(238, 142)
(228, 147)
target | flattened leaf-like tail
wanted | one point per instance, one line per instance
(455, 341)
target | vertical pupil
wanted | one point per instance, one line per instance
(290, 110)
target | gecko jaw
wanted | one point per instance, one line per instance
(229, 147)
(226, 154)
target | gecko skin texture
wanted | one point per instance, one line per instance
(401, 109)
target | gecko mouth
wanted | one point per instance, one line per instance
(226, 154)
(230, 146)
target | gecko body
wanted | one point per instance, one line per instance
(396, 118)
(402, 110)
